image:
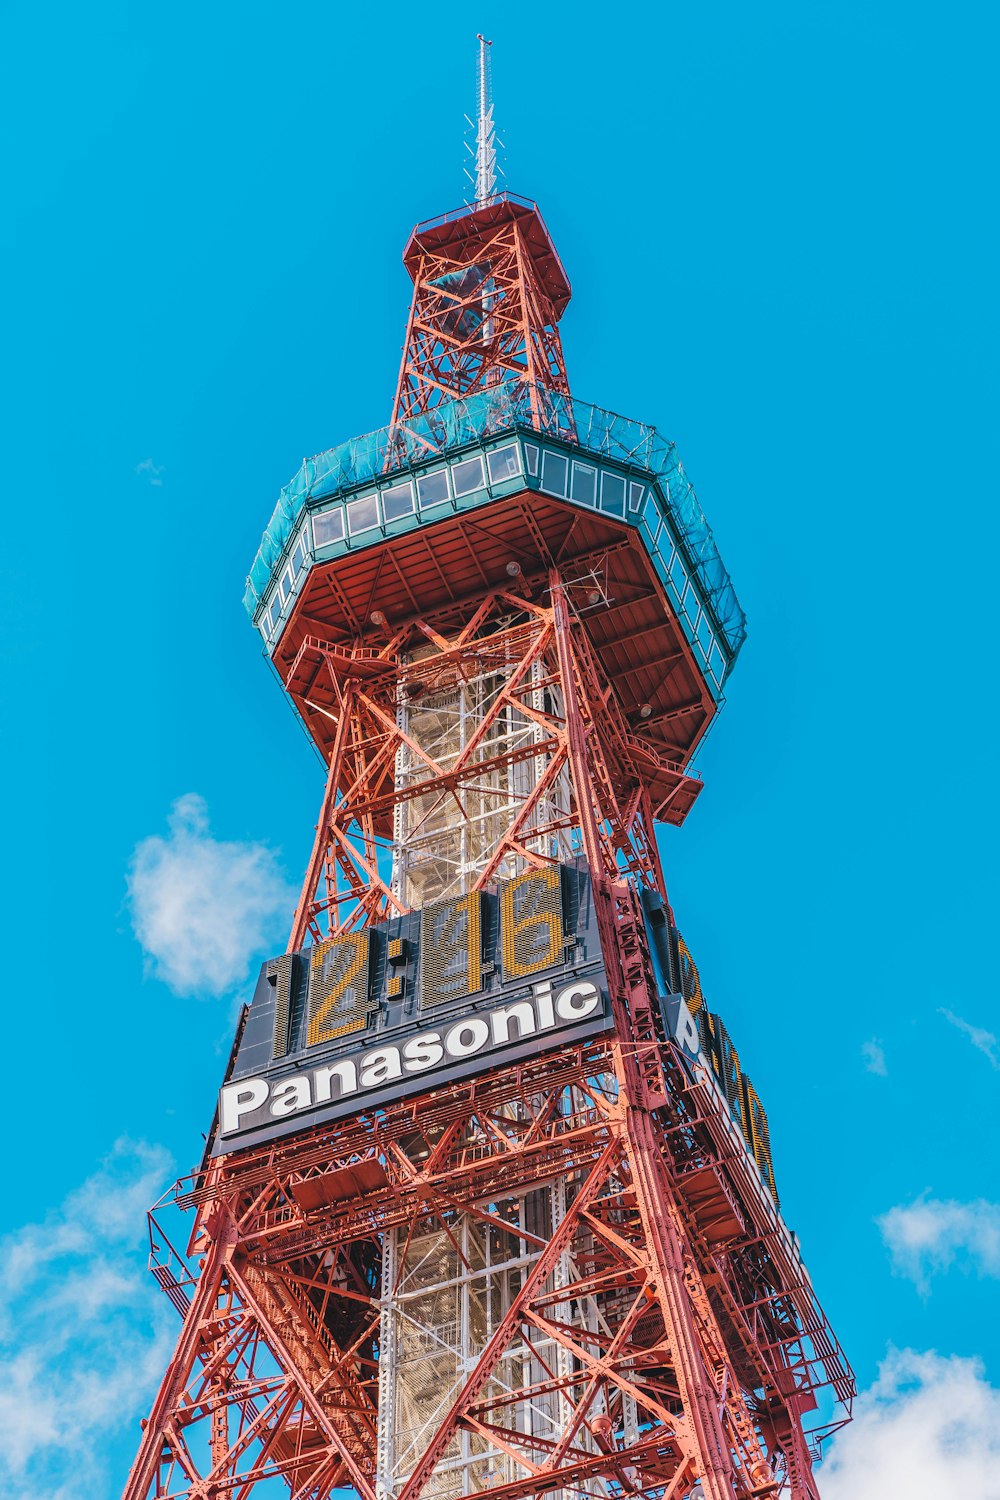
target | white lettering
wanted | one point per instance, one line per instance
(467, 1037)
(429, 1049)
(423, 1051)
(346, 1074)
(577, 1000)
(687, 1031)
(379, 1066)
(543, 999)
(291, 1096)
(522, 1014)
(238, 1099)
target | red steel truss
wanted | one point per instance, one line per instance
(658, 1311)
(488, 290)
(275, 1370)
(347, 883)
(709, 1346)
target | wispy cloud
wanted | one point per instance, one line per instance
(78, 1356)
(929, 1426)
(929, 1235)
(874, 1055)
(984, 1041)
(152, 471)
(202, 907)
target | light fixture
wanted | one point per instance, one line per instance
(645, 711)
(594, 596)
(378, 618)
(513, 569)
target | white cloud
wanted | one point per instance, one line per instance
(83, 1337)
(929, 1426)
(984, 1041)
(202, 908)
(932, 1234)
(874, 1055)
(154, 471)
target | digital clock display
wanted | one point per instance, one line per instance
(498, 966)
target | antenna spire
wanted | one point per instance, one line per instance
(486, 150)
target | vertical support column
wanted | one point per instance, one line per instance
(321, 843)
(576, 734)
(702, 1403)
(562, 1276)
(156, 1432)
(385, 1455)
(220, 1423)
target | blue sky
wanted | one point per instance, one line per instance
(780, 227)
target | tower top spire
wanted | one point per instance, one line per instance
(486, 151)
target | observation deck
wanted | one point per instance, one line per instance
(509, 480)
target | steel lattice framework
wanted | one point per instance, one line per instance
(488, 291)
(535, 655)
(564, 1276)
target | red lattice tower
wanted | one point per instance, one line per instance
(488, 292)
(488, 1204)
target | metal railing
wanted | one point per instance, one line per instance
(515, 404)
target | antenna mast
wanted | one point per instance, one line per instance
(486, 151)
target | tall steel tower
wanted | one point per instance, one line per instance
(488, 1204)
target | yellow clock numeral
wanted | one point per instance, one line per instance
(531, 922)
(338, 988)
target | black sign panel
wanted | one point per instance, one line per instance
(405, 1006)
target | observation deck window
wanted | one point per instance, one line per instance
(584, 487)
(433, 488)
(468, 476)
(362, 515)
(613, 494)
(531, 457)
(634, 496)
(555, 472)
(504, 463)
(397, 501)
(328, 526)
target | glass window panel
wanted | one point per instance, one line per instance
(274, 614)
(634, 495)
(432, 488)
(585, 484)
(703, 631)
(504, 463)
(286, 582)
(468, 476)
(531, 454)
(716, 661)
(362, 514)
(678, 577)
(328, 526)
(613, 494)
(690, 601)
(299, 555)
(397, 501)
(555, 472)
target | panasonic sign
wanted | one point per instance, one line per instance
(273, 1104)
